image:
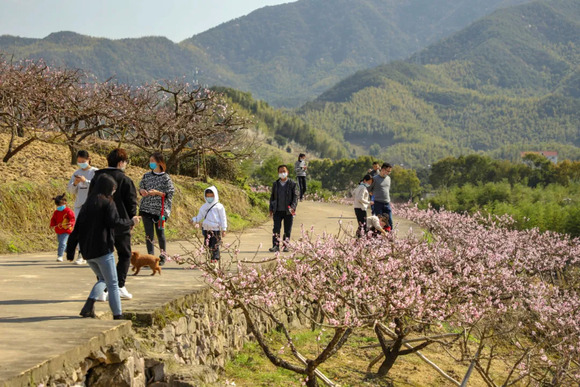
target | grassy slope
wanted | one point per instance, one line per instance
(42, 171)
(251, 368)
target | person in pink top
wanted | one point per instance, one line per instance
(63, 222)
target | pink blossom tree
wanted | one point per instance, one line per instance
(339, 284)
(185, 121)
(87, 107)
(307, 286)
(522, 289)
(512, 292)
(27, 89)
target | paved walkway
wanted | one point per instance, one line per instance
(40, 298)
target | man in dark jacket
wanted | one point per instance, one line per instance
(283, 203)
(125, 199)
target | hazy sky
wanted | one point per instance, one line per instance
(174, 19)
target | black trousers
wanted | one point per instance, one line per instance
(213, 239)
(361, 219)
(123, 247)
(150, 225)
(302, 184)
(288, 219)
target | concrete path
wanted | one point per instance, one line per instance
(40, 298)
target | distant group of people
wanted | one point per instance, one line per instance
(374, 191)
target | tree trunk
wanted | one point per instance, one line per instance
(312, 380)
(204, 168)
(173, 163)
(11, 153)
(392, 351)
(388, 363)
(198, 163)
(73, 154)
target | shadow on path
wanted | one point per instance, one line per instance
(13, 320)
(33, 302)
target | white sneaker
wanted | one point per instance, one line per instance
(59, 259)
(80, 261)
(104, 297)
(123, 293)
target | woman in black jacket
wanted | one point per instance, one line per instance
(94, 232)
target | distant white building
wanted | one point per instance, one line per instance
(550, 155)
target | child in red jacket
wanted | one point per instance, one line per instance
(63, 221)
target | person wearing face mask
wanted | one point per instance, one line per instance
(125, 199)
(157, 191)
(78, 185)
(283, 204)
(300, 168)
(95, 234)
(361, 203)
(212, 214)
(62, 221)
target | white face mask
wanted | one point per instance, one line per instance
(283, 175)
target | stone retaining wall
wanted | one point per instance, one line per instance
(185, 343)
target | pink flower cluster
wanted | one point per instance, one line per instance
(514, 291)
(518, 288)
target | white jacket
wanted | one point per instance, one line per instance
(212, 214)
(361, 197)
(373, 222)
(81, 190)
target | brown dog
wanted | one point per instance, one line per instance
(139, 260)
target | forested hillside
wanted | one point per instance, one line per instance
(507, 83)
(530, 49)
(129, 60)
(285, 54)
(282, 127)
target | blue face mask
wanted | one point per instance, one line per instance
(152, 165)
(209, 199)
(366, 184)
(83, 165)
(61, 208)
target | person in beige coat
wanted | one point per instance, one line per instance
(378, 224)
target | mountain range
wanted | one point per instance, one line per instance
(508, 82)
(285, 54)
(500, 84)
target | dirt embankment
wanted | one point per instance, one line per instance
(41, 171)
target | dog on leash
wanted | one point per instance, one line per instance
(139, 260)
